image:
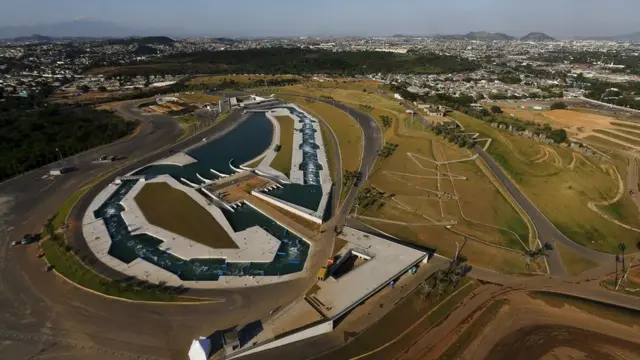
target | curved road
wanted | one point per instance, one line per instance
(45, 315)
(547, 232)
(43, 309)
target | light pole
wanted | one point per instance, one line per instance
(59, 153)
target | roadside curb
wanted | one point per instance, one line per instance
(204, 300)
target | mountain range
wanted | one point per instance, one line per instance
(93, 28)
(85, 28)
(490, 36)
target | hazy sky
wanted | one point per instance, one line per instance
(562, 18)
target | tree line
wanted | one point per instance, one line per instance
(33, 134)
(280, 60)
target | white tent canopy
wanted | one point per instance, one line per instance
(200, 349)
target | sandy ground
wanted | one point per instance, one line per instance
(579, 122)
(528, 328)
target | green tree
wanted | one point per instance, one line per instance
(558, 105)
(496, 109)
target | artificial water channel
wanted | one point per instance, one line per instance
(242, 144)
(309, 194)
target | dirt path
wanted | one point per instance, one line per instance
(574, 159)
(544, 157)
(457, 198)
(557, 160)
(593, 205)
(541, 154)
(511, 147)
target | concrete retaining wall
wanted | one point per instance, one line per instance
(270, 200)
(323, 328)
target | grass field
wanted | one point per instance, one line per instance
(413, 311)
(413, 182)
(200, 98)
(242, 80)
(184, 217)
(329, 149)
(635, 134)
(574, 263)
(561, 193)
(415, 189)
(282, 160)
(68, 265)
(628, 125)
(602, 143)
(619, 137)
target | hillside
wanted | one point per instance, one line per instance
(479, 36)
(537, 36)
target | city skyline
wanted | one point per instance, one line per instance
(562, 19)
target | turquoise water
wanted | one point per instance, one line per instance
(309, 194)
(290, 257)
(244, 143)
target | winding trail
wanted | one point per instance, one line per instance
(593, 205)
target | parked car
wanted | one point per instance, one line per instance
(15, 242)
(48, 268)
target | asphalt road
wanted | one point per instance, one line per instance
(546, 231)
(42, 314)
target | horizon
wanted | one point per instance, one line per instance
(331, 18)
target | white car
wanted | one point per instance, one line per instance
(15, 242)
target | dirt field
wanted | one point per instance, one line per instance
(583, 124)
(552, 327)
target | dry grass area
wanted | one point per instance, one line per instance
(573, 262)
(424, 192)
(580, 123)
(199, 98)
(242, 80)
(560, 191)
(427, 196)
(547, 326)
(175, 211)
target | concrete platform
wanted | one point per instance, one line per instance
(180, 159)
(254, 244)
(386, 261)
